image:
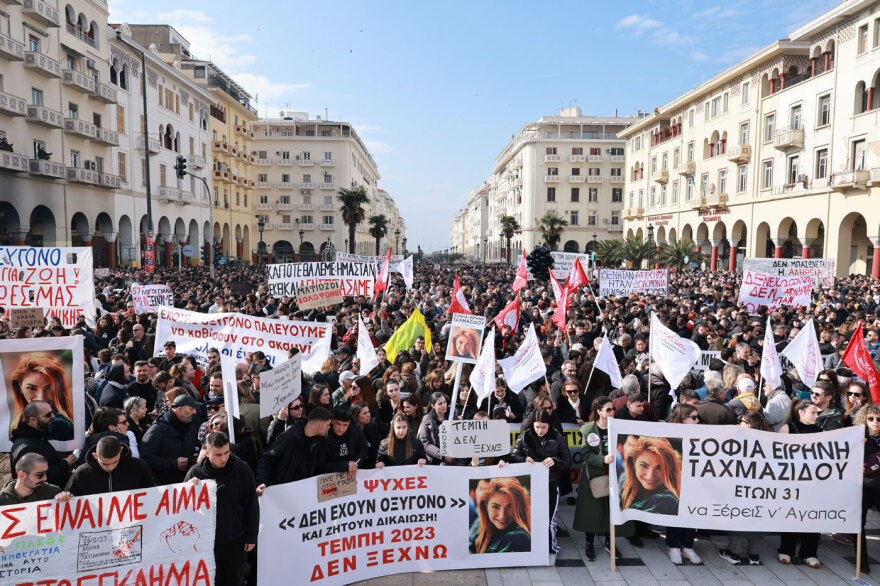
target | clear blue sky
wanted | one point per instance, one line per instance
(437, 89)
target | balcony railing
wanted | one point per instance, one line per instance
(686, 168)
(327, 186)
(47, 168)
(284, 162)
(13, 162)
(662, 176)
(328, 207)
(220, 145)
(699, 203)
(87, 176)
(42, 64)
(551, 178)
(618, 159)
(81, 81)
(517, 181)
(105, 93)
(306, 163)
(170, 194)
(286, 207)
(328, 227)
(285, 185)
(263, 162)
(263, 207)
(306, 207)
(306, 226)
(110, 181)
(789, 139)
(306, 185)
(740, 153)
(618, 179)
(12, 105)
(82, 36)
(45, 116)
(264, 185)
(107, 136)
(11, 49)
(716, 200)
(577, 178)
(154, 145)
(552, 158)
(595, 178)
(577, 159)
(287, 226)
(195, 161)
(41, 11)
(850, 181)
(328, 163)
(595, 158)
(615, 227)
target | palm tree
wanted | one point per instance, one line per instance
(551, 229)
(635, 249)
(609, 251)
(678, 254)
(353, 213)
(378, 228)
(509, 226)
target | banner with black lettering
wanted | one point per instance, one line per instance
(821, 270)
(621, 283)
(148, 298)
(161, 535)
(734, 478)
(355, 278)
(773, 292)
(403, 519)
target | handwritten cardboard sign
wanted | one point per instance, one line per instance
(334, 486)
(469, 438)
(280, 386)
(28, 317)
(319, 295)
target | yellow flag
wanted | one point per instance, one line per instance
(406, 335)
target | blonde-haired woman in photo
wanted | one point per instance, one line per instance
(39, 376)
(504, 517)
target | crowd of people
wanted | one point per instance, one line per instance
(159, 417)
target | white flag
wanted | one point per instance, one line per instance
(365, 352)
(803, 352)
(526, 365)
(674, 354)
(771, 370)
(406, 269)
(606, 361)
(483, 375)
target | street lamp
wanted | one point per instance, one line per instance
(650, 244)
(485, 248)
(261, 225)
(397, 241)
(404, 246)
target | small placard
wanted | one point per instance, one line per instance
(331, 486)
(28, 317)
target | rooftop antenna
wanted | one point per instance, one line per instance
(326, 114)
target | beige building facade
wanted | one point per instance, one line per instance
(777, 156)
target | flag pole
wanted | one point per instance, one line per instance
(650, 356)
(455, 391)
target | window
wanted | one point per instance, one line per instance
(285, 155)
(615, 218)
(307, 156)
(824, 110)
(691, 118)
(328, 178)
(592, 219)
(663, 195)
(741, 178)
(664, 165)
(617, 172)
(552, 170)
(794, 165)
(285, 178)
(577, 150)
(676, 158)
(706, 110)
(767, 174)
(863, 38)
(594, 194)
(144, 176)
(675, 192)
(653, 196)
(744, 133)
(70, 62)
(328, 156)
(745, 92)
(306, 220)
(821, 163)
(262, 177)
(689, 191)
(190, 112)
(858, 158)
(551, 150)
(795, 118)
(307, 178)
(33, 43)
(72, 110)
(575, 194)
(237, 198)
(617, 195)
(327, 219)
(575, 171)
(36, 97)
(769, 127)
(573, 218)
(653, 165)
(726, 100)
(162, 170)
(120, 119)
(641, 197)
(161, 94)
(722, 181)
(690, 152)
(594, 172)
(122, 165)
(551, 194)
(74, 159)
(877, 32)
(704, 184)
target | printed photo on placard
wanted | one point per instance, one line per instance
(649, 472)
(500, 518)
(464, 338)
(40, 376)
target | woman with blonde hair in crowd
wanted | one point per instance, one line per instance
(504, 516)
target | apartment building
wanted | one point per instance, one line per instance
(178, 110)
(457, 243)
(469, 232)
(569, 164)
(775, 157)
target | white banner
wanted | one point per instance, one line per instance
(526, 365)
(563, 263)
(706, 358)
(280, 385)
(619, 283)
(355, 278)
(804, 353)
(734, 478)
(403, 519)
(59, 279)
(482, 377)
(148, 298)
(673, 354)
(821, 270)
(468, 438)
(46, 369)
(464, 338)
(376, 261)
(126, 537)
(759, 289)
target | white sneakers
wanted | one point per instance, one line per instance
(675, 555)
(691, 556)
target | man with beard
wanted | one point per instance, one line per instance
(32, 436)
(171, 445)
(109, 467)
(141, 386)
(30, 484)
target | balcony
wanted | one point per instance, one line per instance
(13, 162)
(222, 146)
(517, 182)
(263, 162)
(327, 207)
(662, 176)
(45, 116)
(195, 161)
(618, 179)
(154, 145)
(284, 162)
(577, 159)
(699, 203)
(306, 226)
(615, 228)
(849, 181)
(11, 49)
(186, 197)
(285, 185)
(79, 127)
(577, 178)
(716, 201)
(268, 226)
(740, 154)
(686, 168)
(327, 186)
(87, 176)
(306, 207)
(222, 176)
(12, 105)
(328, 227)
(80, 81)
(618, 159)
(241, 129)
(595, 179)
(263, 207)
(595, 158)
(41, 11)
(789, 139)
(47, 168)
(106, 136)
(328, 163)
(285, 207)
(517, 163)
(42, 64)
(306, 185)
(264, 185)
(306, 163)
(552, 158)
(110, 181)
(287, 226)
(105, 93)
(551, 178)
(170, 194)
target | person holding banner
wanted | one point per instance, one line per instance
(857, 396)
(429, 430)
(680, 540)
(869, 416)
(401, 447)
(373, 430)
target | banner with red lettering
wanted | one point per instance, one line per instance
(820, 270)
(148, 298)
(403, 519)
(355, 278)
(760, 289)
(161, 535)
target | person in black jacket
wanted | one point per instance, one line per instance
(142, 386)
(32, 436)
(545, 445)
(346, 445)
(109, 467)
(171, 445)
(373, 429)
(296, 453)
(401, 447)
(506, 398)
(238, 512)
(113, 393)
(573, 407)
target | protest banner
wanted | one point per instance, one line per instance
(355, 278)
(376, 261)
(759, 289)
(733, 478)
(102, 272)
(563, 262)
(26, 317)
(58, 279)
(403, 519)
(673, 354)
(315, 295)
(468, 438)
(148, 298)
(280, 385)
(464, 338)
(335, 485)
(706, 358)
(48, 369)
(620, 283)
(162, 535)
(821, 270)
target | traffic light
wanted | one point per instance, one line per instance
(218, 252)
(206, 253)
(180, 167)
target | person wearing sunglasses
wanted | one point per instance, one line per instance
(869, 416)
(287, 416)
(30, 483)
(856, 397)
(831, 415)
(573, 407)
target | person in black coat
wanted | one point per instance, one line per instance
(573, 407)
(109, 467)
(238, 512)
(297, 452)
(506, 398)
(171, 445)
(373, 429)
(113, 393)
(32, 436)
(401, 447)
(346, 447)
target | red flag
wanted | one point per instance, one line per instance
(459, 303)
(522, 275)
(382, 279)
(561, 308)
(577, 277)
(509, 315)
(857, 358)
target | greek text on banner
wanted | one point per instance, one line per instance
(355, 278)
(619, 283)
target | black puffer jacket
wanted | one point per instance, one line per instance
(26, 440)
(130, 474)
(292, 456)
(342, 449)
(165, 442)
(238, 513)
(398, 458)
(552, 445)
